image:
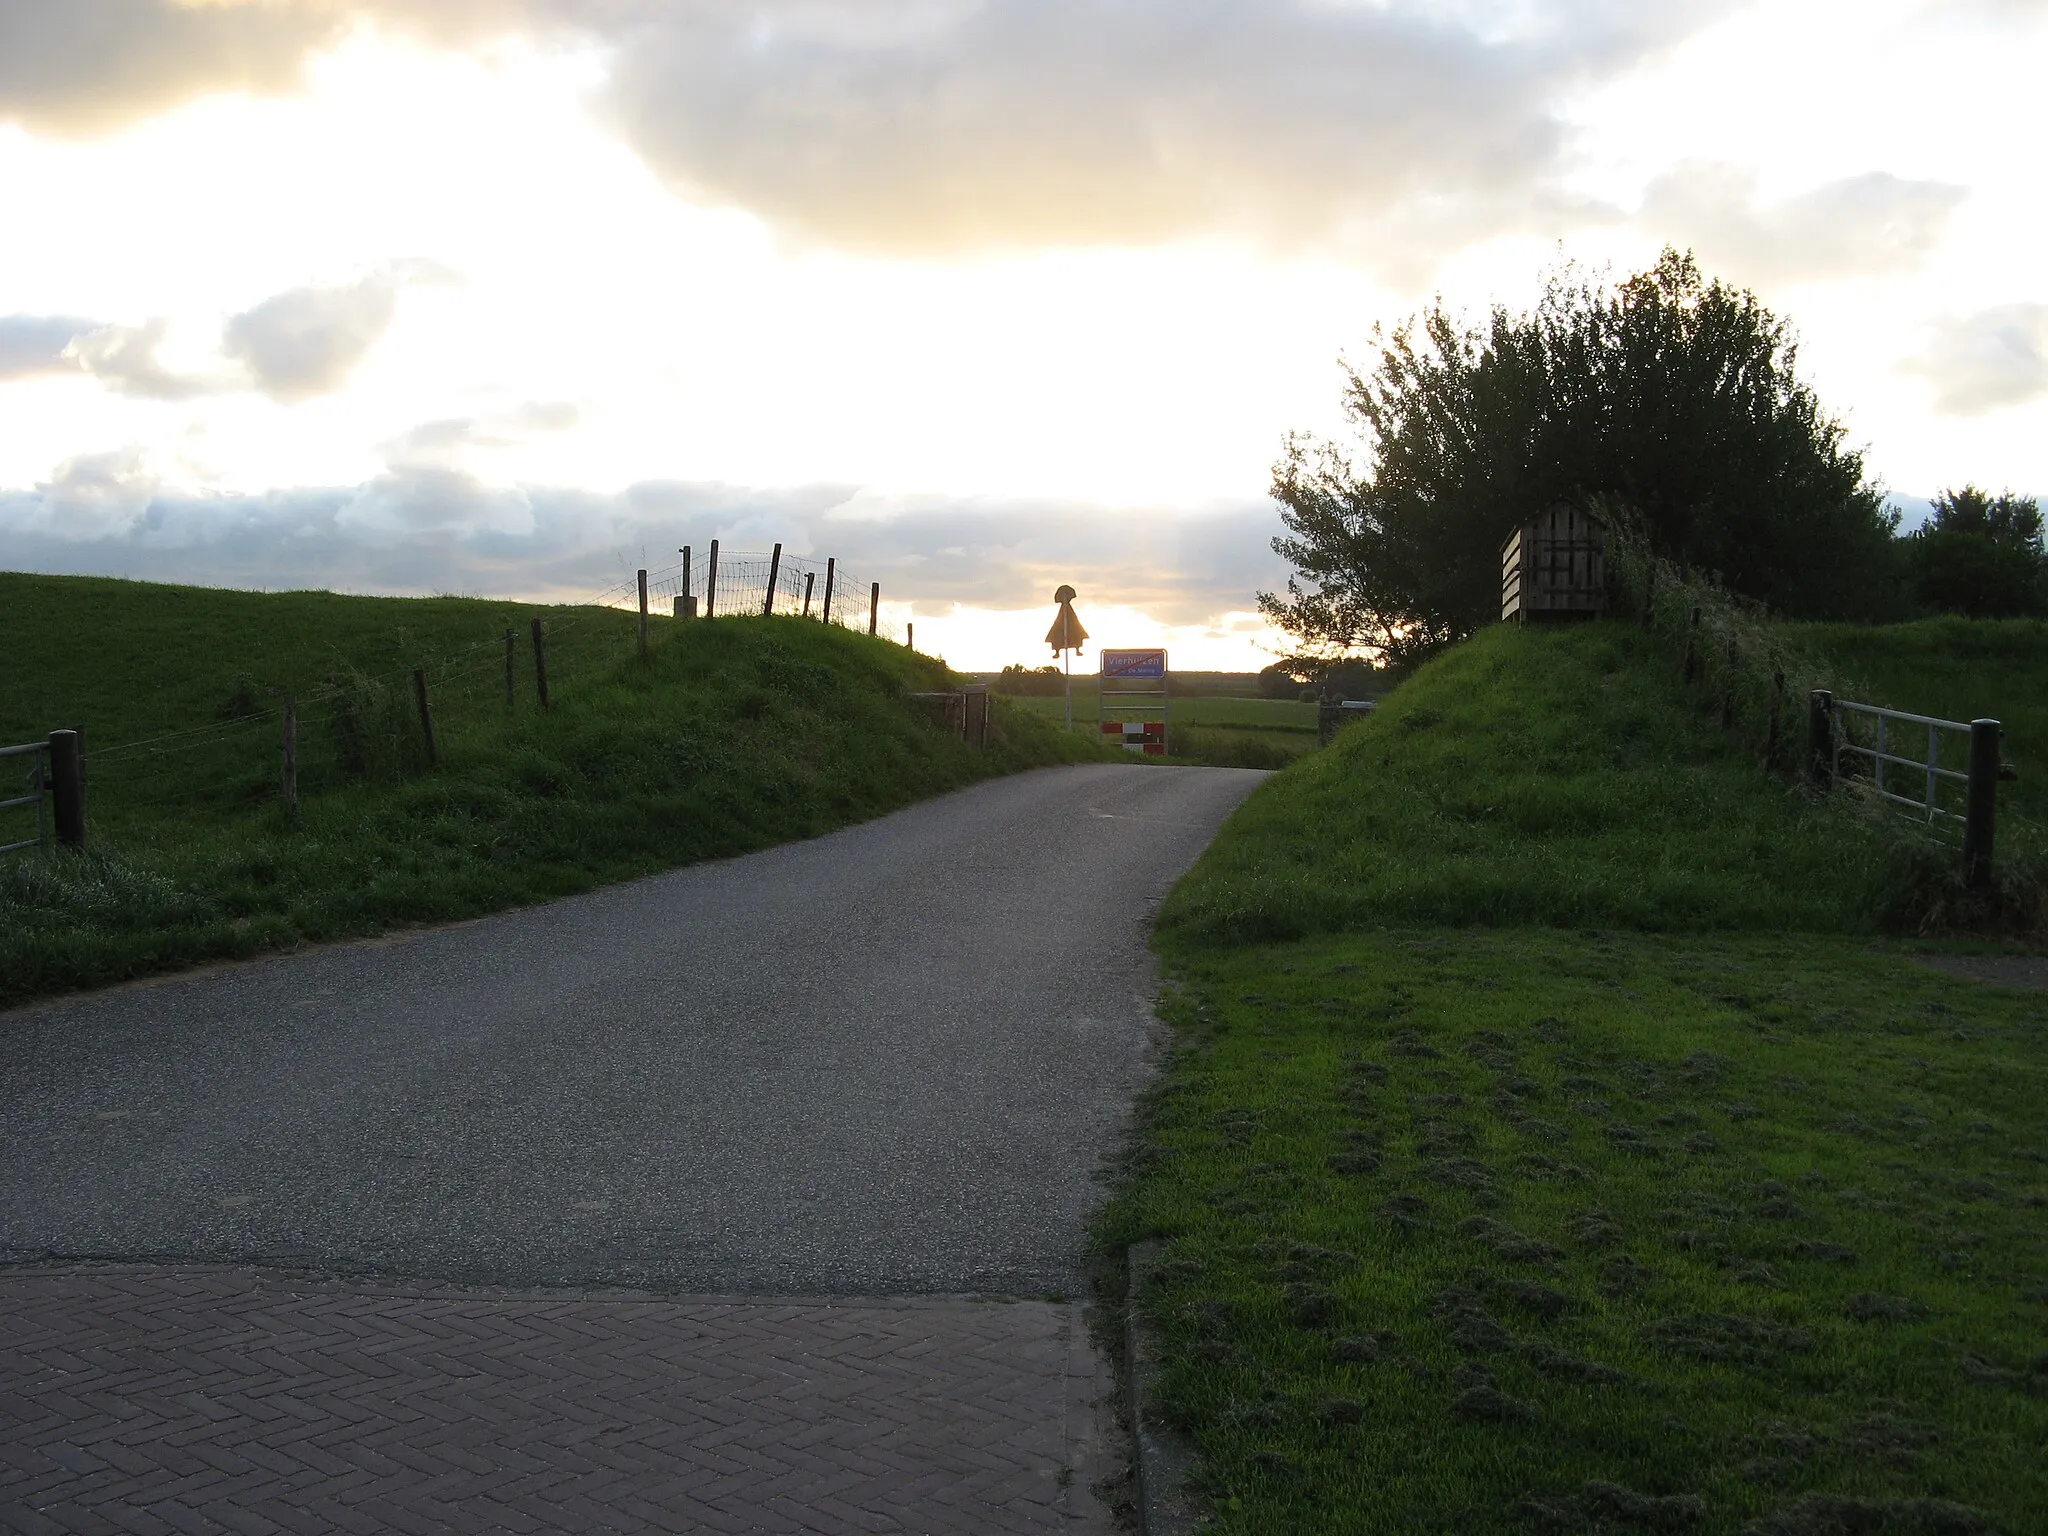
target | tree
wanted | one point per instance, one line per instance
(1981, 556)
(1671, 396)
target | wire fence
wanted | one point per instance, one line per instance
(356, 723)
(729, 583)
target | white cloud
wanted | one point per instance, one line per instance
(1856, 225)
(95, 496)
(35, 345)
(1982, 362)
(124, 358)
(427, 501)
(306, 341)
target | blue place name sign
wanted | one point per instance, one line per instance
(1134, 664)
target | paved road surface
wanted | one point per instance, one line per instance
(879, 1064)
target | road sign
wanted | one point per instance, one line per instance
(1131, 699)
(1133, 664)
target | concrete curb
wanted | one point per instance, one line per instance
(1165, 1458)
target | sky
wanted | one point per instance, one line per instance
(512, 297)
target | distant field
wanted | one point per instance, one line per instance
(1220, 731)
(1254, 714)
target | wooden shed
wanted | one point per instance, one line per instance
(1554, 567)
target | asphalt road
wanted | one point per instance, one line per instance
(881, 1062)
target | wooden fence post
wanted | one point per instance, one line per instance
(774, 575)
(1980, 820)
(711, 583)
(419, 692)
(67, 787)
(831, 573)
(511, 646)
(291, 755)
(643, 615)
(1820, 738)
(909, 635)
(540, 664)
(810, 578)
(686, 605)
(874, 604)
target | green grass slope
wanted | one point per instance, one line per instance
(734, 735)
(1550, 1145)
(1530, 776)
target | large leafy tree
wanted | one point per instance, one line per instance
(1671, 396)
(1981, 555)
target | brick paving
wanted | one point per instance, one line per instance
(142, 1399)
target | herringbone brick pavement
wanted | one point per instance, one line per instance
(176, 1399)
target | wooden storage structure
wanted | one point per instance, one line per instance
(1554, 567)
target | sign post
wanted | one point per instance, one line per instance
(1133, 704)
(1065, 637)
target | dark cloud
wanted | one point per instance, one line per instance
(938, 127)
(33, 345)
(83, 65)
(1996, 357)
(431, 529)
(1860, 224)
(934, 126)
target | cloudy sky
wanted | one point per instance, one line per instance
(511, 296)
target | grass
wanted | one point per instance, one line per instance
(735, 735)
(1562, 778)
(1553, 1142)
(1520, 1230)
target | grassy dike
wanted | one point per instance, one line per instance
(734, 735)
(1550, 1144)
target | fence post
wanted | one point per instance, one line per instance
(711, 583)
(909, 635)
(810, 579)
(1820, 738)
(643, 615)
(540, 664)
(686, 605)
(67, 787)
(291, 755)
(511, 646)
(831, 574)
(1980, 823)
(874, 604)
(774, 575)
(419, 692)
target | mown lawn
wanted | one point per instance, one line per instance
(1555, 1142)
